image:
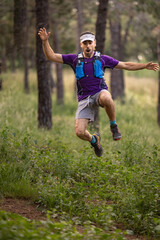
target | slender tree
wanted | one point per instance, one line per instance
(101, 24)
(26, 49)
(59, 73)
(79, 22)
(21, 36)
(0, 76)
(56, 21)
(19, 23)
(119, 39)
(158, 52)
(117, 79)
(44, 94)
(100, 38)
(79, 29)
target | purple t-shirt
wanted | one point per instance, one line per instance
(89, 85)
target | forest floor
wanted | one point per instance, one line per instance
(26, 208)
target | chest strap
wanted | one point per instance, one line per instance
(97, 66)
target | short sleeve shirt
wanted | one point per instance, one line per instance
(89, 85)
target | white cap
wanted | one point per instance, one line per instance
(87, 36)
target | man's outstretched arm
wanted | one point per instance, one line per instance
(48, 51)
(137, 66)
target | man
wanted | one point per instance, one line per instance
(89, 67)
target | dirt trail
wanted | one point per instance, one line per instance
(25, 208)
(28, 209)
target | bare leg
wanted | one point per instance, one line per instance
(106, 101)
(81, 132)
(81, 129)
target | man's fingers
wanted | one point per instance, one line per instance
(155, 66)
(43, 30)
(152, 66)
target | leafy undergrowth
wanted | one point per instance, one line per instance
(14, 227)
(81, 188)
(61, 173)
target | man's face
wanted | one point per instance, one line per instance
(88, 48)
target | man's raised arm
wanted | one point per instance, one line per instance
(137, 66)
(48, 51)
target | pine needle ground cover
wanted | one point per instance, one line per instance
(61, 173)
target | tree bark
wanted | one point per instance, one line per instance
(158, 53)
(0, 76)
(100, 41)
(19, 22)
(79, 22)
(26, 53)
(4, 59)
(79, 6)
(125, 38)
(117, 77)
(59, 68)
(44, 94)
(101, 25)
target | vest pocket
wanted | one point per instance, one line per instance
(98, 69)
(79, 71)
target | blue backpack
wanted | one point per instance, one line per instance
(97, 66)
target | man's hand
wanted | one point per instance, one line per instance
(152, 66)
(43, 34)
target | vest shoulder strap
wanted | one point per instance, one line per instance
(97, 55)
(80, 55)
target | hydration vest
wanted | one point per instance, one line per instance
(97, 66)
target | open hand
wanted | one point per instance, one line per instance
(152, 66)
(43, 34)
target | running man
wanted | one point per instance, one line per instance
(92, 91)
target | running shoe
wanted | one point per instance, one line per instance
(97, 146)
(115, 132)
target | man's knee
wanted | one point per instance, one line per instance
(79, 131)
(105, 98)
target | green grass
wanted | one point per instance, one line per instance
(61, 172)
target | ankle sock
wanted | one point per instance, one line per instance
(94, 140)
(112, 122)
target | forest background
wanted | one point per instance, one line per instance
(115, 197)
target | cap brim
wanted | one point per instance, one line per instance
(87, 39)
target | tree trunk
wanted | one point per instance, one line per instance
(51, 80)
(44, 94)
(117, 77)
(101, 25)
(0, 76)
(59, 68)
(19, 22)
(158, 52)
(60, 88)
(100, 41)
(13, 60)
(79, 22)
(26, 54)
(4, 60)
(125, 38)
(79, 6)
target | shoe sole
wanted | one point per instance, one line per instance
(116, 139)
